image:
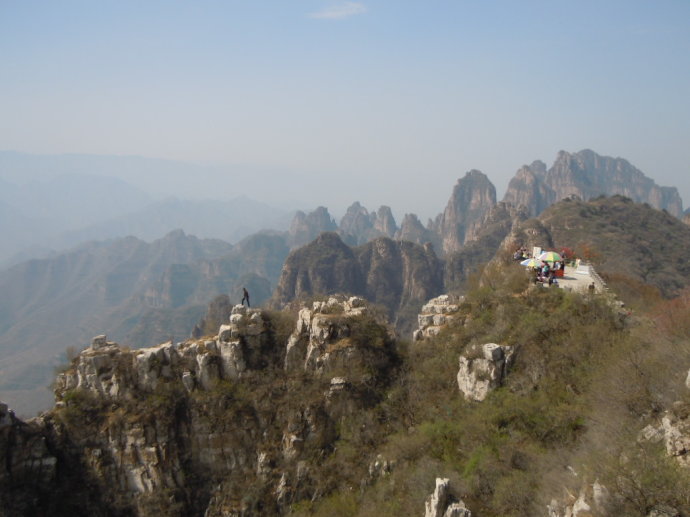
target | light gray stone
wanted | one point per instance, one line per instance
(441, 504)
(99, 342)
(481, 369)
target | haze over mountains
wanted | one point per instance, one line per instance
(42, 214)
(141, 293)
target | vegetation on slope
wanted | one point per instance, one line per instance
(625, 239)
(586, 379)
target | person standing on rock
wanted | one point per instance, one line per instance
(245, 296)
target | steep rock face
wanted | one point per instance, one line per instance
(26, 465)
(527, 189)
(324, 266)
(674, 431)
(357, 223)
(498, 223)
(384, 222)
(590, 501)
(587, 175)
(110, 372)
(399, 273)
(412, 230)
(239, 424)
(396, 274)
(306, 227)
(472, 199)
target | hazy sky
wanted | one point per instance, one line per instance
(388, 101)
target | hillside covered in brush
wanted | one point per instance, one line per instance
(626, 241)
(324, 413)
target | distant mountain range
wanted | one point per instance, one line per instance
(131, 289)
(143, 293)
(50, 204)
(32, 227)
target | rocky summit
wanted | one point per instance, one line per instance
(399, 275)
(194, 428)
(473, 196)
(587, 175)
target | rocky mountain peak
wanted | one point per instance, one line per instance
(395, 274)
(412, 230)
(587, 175)
(357, 222)
(305, 227)
(528, 190)
(385, 222)
(359, 226)
(472, 198)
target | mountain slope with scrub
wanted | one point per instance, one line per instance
(323, 413)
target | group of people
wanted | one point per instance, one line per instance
(546, 273)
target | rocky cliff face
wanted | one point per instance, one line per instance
(28, 468)
(384, 222)
(324, 266)
(399, 275)
(306, 227)
(472, 199)
(387, 272)
(239, 424)
(498, 223)
(527, 189)
(587, 175)
(359, 226)
(412, 230)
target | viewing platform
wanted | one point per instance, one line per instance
(581, 278)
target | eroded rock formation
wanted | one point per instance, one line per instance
(441, 503)
(472, 199)
(193, 428)
(306, 227)
(359, 226)
(396, 274)
(435, 315)
(482, 369)
(586, 175)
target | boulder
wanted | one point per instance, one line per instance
(482, 369)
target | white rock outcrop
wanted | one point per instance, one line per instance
(435, 315)
(482, 369)
(321, 336)
(113, 372)
(676, 429)
(441, 503)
